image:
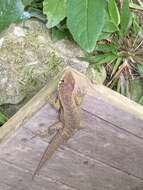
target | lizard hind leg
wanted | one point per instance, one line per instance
(78, 100)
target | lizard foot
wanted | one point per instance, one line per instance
(48, 132)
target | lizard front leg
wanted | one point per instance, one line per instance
(54, 101)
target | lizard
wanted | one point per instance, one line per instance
(70, 117)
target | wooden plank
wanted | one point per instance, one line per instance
(106, 154)
(19, 179)
(99, 140)
(110, 145)
(84, 173)
(5, 187)
(114, 108)
(106, 104)
(68, 167)
(45, 117)
(29, 109)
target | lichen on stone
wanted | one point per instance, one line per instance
(29, 60)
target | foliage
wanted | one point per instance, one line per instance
(17, 10)
(88, 21)
(3, 118)
(84, 19)
(121, 52)
(10, 11)
(55, 11)
(108, 30)
(87, 28)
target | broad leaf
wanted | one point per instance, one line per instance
(110, 27)
(55, 11)
(85, 20)
(10, 11)
(114, 12)
(104, 35)
(125, 17)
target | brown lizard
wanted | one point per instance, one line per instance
(70, 117)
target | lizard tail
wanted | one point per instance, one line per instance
(57, 140)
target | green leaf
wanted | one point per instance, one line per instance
(104, 35)
(141, 100)
(55, 11)
(125, 17)
(114, 12)
(58, 34)
(101, 59)
(110, 27)
(106, 48)
(140, 69)
(116, 65)
(136, 24)
(108, 57)
(85, 20)
(10, 11)
(3, 118)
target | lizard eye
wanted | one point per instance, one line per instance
(62, 81)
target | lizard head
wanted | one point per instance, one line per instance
(67, 83)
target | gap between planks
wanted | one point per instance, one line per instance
(89, 157)
(8, 163)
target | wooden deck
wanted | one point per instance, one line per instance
(107, 154)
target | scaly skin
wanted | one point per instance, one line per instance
(71, 118)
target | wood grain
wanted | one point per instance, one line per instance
(106, 154)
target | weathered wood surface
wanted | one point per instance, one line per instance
(107, 154)
(116, 109)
